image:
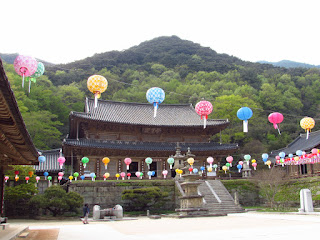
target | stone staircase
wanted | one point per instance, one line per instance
(216, 197)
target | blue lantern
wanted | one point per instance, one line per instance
(45, 174)
(244, 114)
(41, 159)
(265, 157)
(155, 96)
(195, 170)
(239, 166)
(299, 152)
(149, 174)
(82, 177)
(202, 168)
(282, 154)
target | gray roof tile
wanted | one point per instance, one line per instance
(142, 114)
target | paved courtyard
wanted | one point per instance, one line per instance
(247, 226)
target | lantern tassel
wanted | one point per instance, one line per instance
(127, 167)
(95, 100)
(279, 131)
(155, 109)
(23, 80)
(307, 133)
(245, 126)
(170, 166)
(204, 122)
(106, 166)
(29, 85)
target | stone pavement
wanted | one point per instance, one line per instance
(250, 225)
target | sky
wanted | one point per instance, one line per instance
(62, 31)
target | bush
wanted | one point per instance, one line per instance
(141, 199)
(57, 201)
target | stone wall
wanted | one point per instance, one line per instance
(107, 194)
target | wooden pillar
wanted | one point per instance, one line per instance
(1, 191)
(98, 167)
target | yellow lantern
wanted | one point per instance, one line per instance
(97, 84)
(209, 169)
(177, 170)
(106, 175)
(225, 168)
(253, 160)
(70, 178)
(105, 160)
(117, 176)
(268, 163)
(307, 123)
(296, 158)
(190, 161)
(180, 172)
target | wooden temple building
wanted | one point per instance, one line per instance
(120, 130)
(308, 164)
(16, 146)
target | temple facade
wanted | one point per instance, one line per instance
(120, 130)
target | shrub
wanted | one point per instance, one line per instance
(141, 199)
(57, 201)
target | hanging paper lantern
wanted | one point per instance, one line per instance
(25, 66)
(228, 165)
(215, 166)
(314, 151)
(195, 170)
(209, 169)
(6, 178)
(70, 178)
(128, 175)
(38, 73)
(117, 176)
(282, 154)
(155, 96)
(93, 176)
(82, 177)
(106, 175)
(180, 172)
(122, 174)
(239, 166)
(202, 168)
(247, 157)
(275, 118)
(204, 108)
(37, 178)
(190, 161)
(170, 161)
(299, 153)
(265, 157)
(253, 161)
(153, 173)
(16, 173)
(210, 160)
(254, 165)
(30, 173)
(190, 170)
(164, 173)
(229, 160)
(97, 84)
(16, 178)
(148, 161)
(84, 161)
(105, 160)
(27, 179)
(127, 161)
(225, 168)
(268, 163)
(75, 174)
(41, 159)
(240, 162)
(244, 114)
(49, 178)
(61, 161)
(59, 178)
(60, 174)
(307, 123)
(149, 174)
(45, 174)
(137, 174)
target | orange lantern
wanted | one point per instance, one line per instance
(106, 160)
(307, 123)
(97, 84)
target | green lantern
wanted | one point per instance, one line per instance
(84, 161)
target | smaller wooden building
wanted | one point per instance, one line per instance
(302, 168)
(118, 130)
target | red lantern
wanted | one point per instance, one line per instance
(129, 175)
(27, 179)
(16, 173)
(275, 118)
(204, 108)
(190, 169)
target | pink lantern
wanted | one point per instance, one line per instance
(164, 173)
(138, 174)
(127, 161)
(27, 179)
(61, 161)
(204, 108)
(128, 175)
(25, 66)
(314, 151)
(229, 160)
(254, 165)
(60, 174)
(60, 178)
(6, 178)
(240, 162)
(37, 178)
(210, 160)
(275, 118)
(123, 174)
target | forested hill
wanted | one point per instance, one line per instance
(188, 73)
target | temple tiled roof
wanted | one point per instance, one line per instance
(182, 115)
(301, 143)
(51, 164)
(148, 146)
